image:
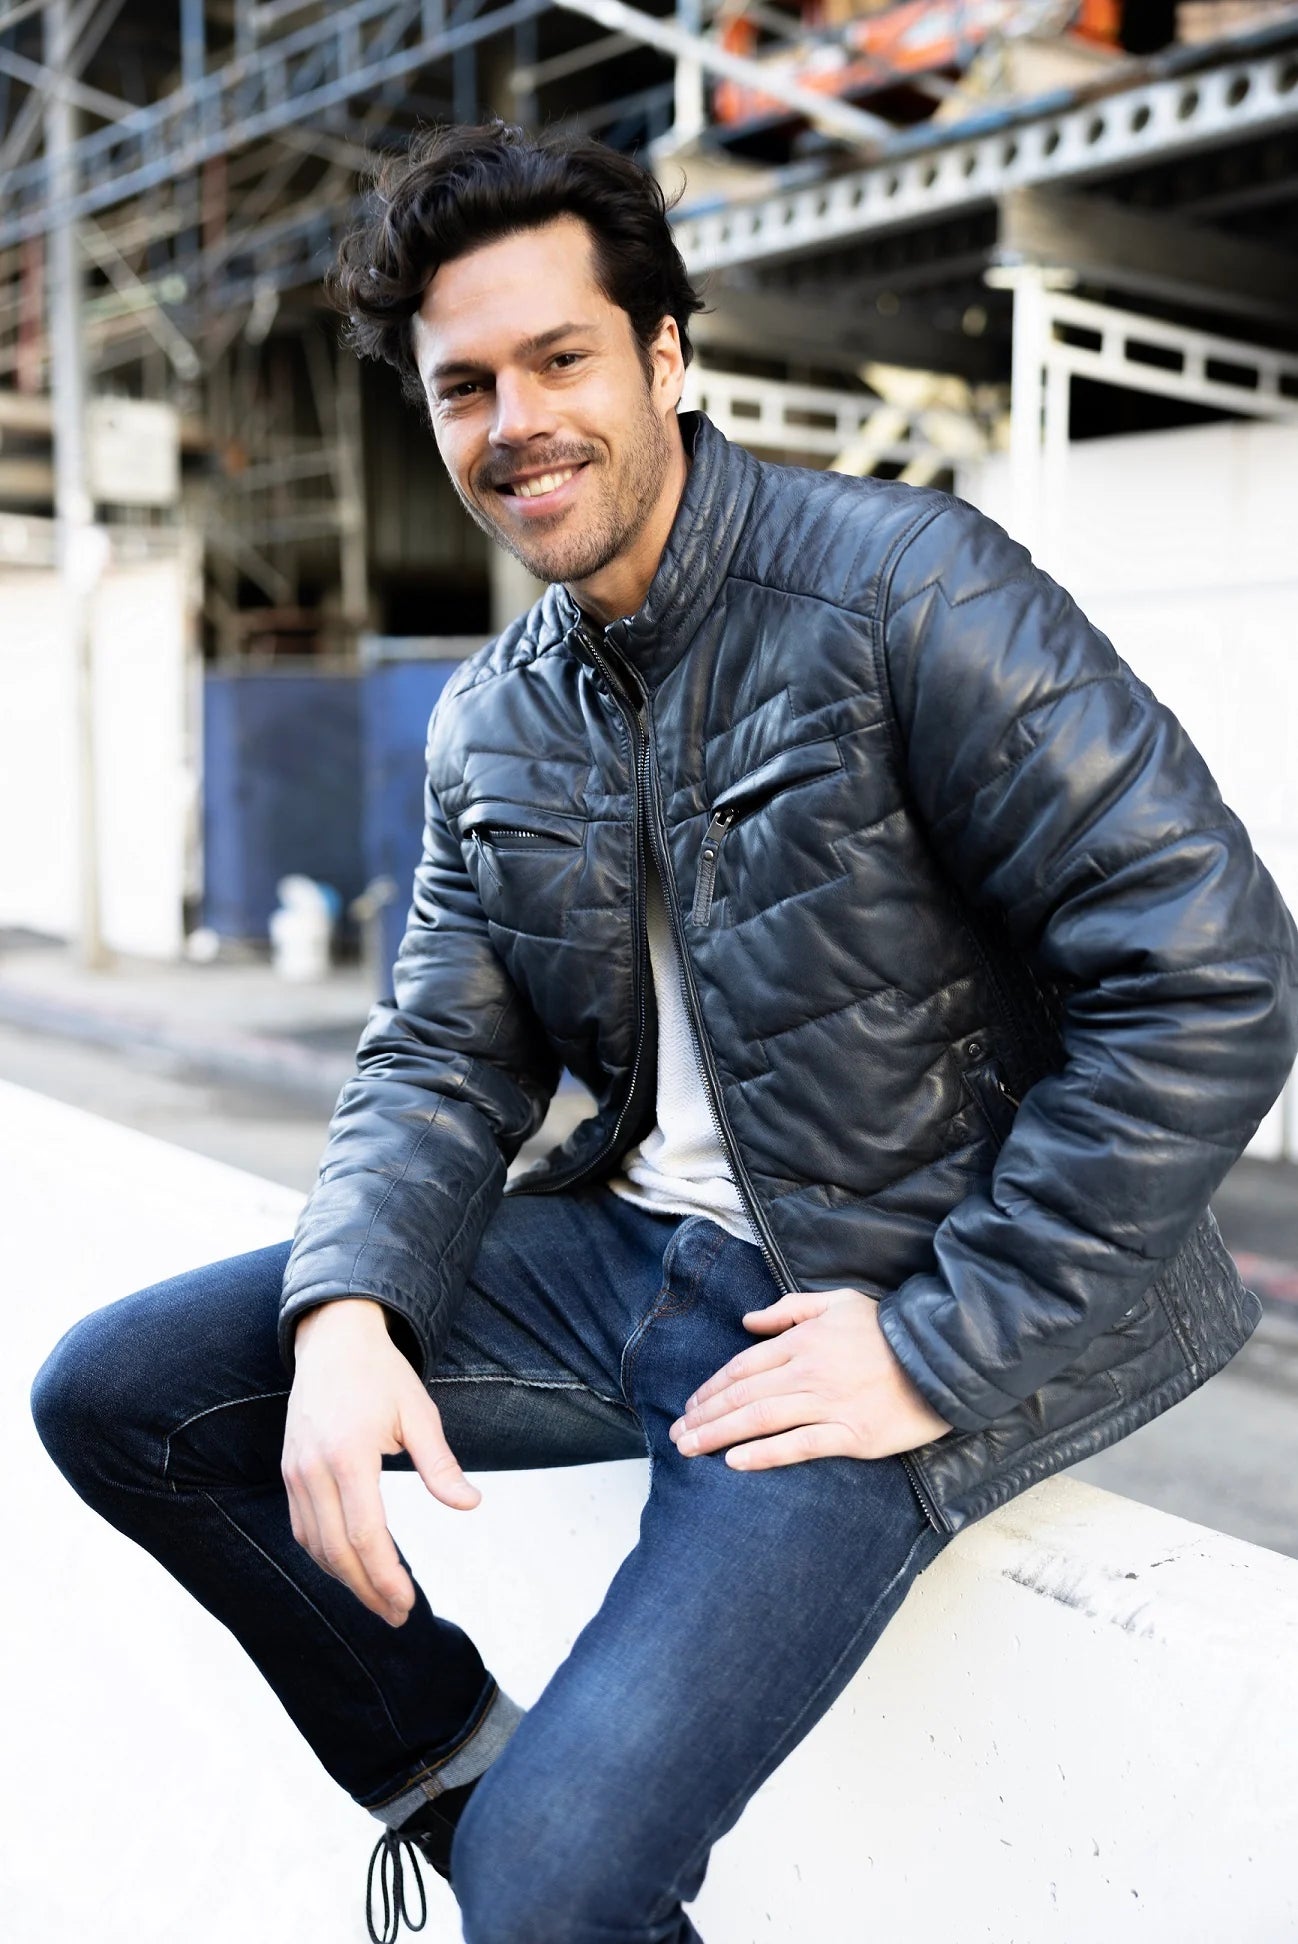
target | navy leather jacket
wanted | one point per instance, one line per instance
(988, 985)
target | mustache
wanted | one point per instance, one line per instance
(500, 472)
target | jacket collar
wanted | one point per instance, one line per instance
(696, 559)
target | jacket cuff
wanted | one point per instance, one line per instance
(403, 1326)
(935, 1390)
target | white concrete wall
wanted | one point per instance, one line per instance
(1083, 1725)
(144, 709)
(1181, 546)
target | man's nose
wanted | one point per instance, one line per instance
(522, 413)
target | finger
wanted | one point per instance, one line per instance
(762, 1356)
(425, 1441)
(302, 1517)
(761, 1419)
(367, 1531)
(797, 1307)
(760, 1383)
(791, 1448)
(333, 1550)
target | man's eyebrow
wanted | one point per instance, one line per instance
(525, 348)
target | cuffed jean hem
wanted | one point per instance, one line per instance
(464, 1764)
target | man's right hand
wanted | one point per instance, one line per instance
(355, 1397)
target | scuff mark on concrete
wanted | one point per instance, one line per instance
(1085, 1590)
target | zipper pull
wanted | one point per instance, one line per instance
(713, 838)
(484, 856)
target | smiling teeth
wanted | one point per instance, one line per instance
(547, 483)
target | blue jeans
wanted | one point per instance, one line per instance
(745, 1608)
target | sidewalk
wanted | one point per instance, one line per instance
(235, 1020)
(238, 1021)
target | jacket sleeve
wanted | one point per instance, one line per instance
(451, 1078)
(1057, 789)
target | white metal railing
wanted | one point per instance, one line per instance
(1085, 139)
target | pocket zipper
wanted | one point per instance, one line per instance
(995, 1102)
(713, 838)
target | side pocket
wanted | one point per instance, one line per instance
(994, 1101)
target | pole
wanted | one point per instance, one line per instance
(193, 42)
(73, 509)
(1027, 405)
(690, 103)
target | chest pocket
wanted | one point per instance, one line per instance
(520, 853)
(752, 792)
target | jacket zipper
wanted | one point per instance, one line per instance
(504, 830)
(649, 821)
(639, 746)
(648, 814)
(775, 1261)
(713, 838)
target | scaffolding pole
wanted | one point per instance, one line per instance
(74, 511)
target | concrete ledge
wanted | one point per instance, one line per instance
(1083, 1724)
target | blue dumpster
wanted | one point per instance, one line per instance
(281, 789)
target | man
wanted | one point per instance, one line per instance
(925, 988)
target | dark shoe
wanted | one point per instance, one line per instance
(430, 1832)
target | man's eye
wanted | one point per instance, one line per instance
(566, 359)
(464, 390)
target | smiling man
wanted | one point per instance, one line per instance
(925, 988)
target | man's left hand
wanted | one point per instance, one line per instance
(825, 1384)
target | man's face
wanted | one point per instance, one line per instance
(554, 435)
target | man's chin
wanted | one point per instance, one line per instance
(554, 563)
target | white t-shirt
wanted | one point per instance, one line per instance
(681, 1168)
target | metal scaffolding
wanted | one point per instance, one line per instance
(900, 277)
(204, 190)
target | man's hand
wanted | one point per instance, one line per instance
(825, 1385)
(355, 1397)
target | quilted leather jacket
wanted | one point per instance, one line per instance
(988, 986)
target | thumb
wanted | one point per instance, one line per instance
(798, 1307)
(436, 1463)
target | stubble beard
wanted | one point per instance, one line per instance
(614, 523)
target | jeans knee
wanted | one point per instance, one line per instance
(79, 1402)
(527, 1872)
(494, 1874)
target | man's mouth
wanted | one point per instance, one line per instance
(540, 485)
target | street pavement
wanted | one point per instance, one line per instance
(229, 1061)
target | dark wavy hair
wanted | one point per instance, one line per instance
(457, 187)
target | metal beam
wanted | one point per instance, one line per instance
(73, 508)
(836, 334)
(561, 67)
(351, 51)
(1159, 256)
(85, 34)
(101, 249)
(46, 82)
(775, 416)
(13, 15)
(921, 421)
(193, 42)
(962, 166)
(1146, 354)
(826, 112)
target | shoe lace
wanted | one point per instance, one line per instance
(386, 1864)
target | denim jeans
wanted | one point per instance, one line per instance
(746, 1606)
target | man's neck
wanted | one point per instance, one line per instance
(619, 588)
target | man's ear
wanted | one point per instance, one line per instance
(668, 363)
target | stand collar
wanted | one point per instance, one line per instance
(718, 491)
